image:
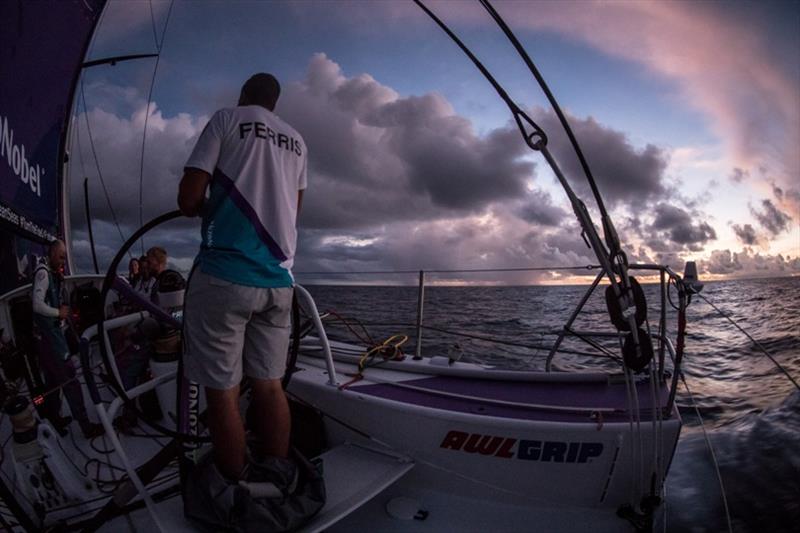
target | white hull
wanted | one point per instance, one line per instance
(461, 446)
(517, 472)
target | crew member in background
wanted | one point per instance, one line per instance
(146, 281)
(49, 320)
(133, 272)
(236, 318)
(156, 264)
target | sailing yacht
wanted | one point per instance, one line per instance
(422, 443)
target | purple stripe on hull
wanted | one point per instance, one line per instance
(583, 395)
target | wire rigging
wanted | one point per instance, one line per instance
(97, 164)
(159, 47)
(546, 90)
(451, 271)
(153, 24)
(535, 140)
(711, 451)
(754, 341)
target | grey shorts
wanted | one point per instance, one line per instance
(230, 327)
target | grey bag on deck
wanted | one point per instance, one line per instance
(215, 504)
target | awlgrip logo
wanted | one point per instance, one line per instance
(523, 449)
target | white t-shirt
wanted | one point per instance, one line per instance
(258, 163)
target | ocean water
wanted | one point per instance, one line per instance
(749, 409)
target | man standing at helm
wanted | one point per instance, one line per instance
(239, 297)
(50, 310)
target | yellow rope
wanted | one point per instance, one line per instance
(389, 349)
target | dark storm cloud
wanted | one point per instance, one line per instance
(378, 158)
(538, 208)
(679, 227)
(746, 234)
(444, 157)
(771, 218)
(623, 173)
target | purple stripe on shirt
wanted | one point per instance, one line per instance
(248, 211)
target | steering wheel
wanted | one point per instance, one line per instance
(108, 283)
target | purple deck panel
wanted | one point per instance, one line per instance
(592, 395)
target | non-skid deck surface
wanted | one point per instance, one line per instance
(485, 397)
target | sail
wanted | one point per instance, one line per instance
(42, 45)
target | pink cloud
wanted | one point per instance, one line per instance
(724, 66)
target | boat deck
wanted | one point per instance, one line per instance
(590, 402)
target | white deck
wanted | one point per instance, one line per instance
(353, 475)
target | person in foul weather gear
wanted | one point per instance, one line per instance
(236, 320)
(50, 312)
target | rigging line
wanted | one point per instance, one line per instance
(153, 23)
(86, 196)
(80, 149)
(457, 333)
(758, 344)
(536, 140)
(446, 271)
(93, 40)
(546, 90)
(534, 347)
(146, 118)
(593, 344)
(97, 164)
(711, 451)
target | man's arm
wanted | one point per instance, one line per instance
(299, 203)
(192, 191)
(41, 282)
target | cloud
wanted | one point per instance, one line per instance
(496, 239)
(739, 175)
(746, 263)
(735, 63)
(538, 208)
(623, 173)
(771, 218)
(724, 60)
(130, 25)
(678, 227)
(381, 167)
(376, 157)
(117, 137)
(722, 262)
(406, 183)
(746, 234)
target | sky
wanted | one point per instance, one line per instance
(688, 114)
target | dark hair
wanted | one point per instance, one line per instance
(261, 89)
